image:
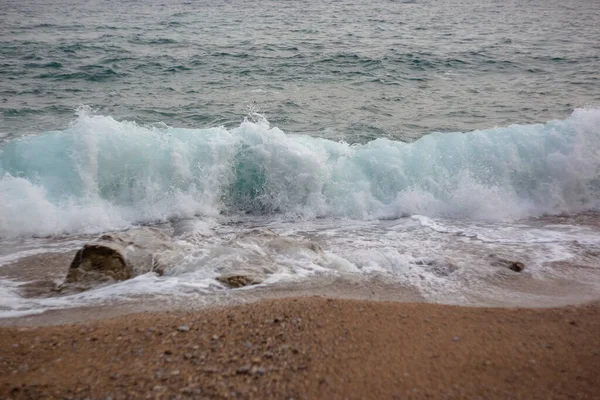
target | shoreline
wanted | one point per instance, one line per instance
(311, 347)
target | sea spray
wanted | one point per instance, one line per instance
(101, 174)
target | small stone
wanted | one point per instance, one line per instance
(215, 337)
(516, 266)
(256, 370)
(456, 338)
(175, 372)
(187, 356)
(255, 360)
(183, 328)
(244, 369)
(238, 281)
(159, 388)
(277, 320)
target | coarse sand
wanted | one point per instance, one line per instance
(311, 348)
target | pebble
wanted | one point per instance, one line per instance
(256, 370)
(244, 369)
(183, 328)
(456, 338)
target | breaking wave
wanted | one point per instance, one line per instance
(102, 174)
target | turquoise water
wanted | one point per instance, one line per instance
(102, 174)
(343, 70)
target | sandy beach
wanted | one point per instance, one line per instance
(311, 348)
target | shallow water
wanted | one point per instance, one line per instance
(407, 259)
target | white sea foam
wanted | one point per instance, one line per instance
(441, 260)
(102, 174)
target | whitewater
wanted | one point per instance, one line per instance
(424, 220)
(102, 174)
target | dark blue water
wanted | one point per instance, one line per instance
(344, 70)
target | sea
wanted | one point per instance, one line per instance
(386, 150)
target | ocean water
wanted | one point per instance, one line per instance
(412, 142)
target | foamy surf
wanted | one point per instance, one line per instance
(418, 259)
(101, 174)
(421, 221)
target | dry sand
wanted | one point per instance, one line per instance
(311, 348)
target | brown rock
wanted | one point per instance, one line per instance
(120, 256)
(496, 261)
(237, 281)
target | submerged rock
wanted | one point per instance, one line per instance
(252, 256)
(516, 266)
(120, 256)
(97, 261)
(496, 261)
(437, 267)
(237, 281)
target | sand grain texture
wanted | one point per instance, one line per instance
(311, 348)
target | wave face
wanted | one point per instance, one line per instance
(102, 174)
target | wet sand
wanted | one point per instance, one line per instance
(313, 347)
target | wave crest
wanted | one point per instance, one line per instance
(104, 174)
